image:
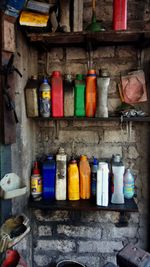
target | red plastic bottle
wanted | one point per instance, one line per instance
(119, 15)
(57, 94)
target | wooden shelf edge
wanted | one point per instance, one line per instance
(105, 37)
(83, 205)
(119, 119)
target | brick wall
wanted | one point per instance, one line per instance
(91, 237)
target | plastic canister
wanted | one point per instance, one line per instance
(36, 182)
(31, 97)
(79, 96)
(61, 181)
(45, 99)
(118, 172)
(94, 168)
(57, 94)
(85, 177)
(68, 96)
(73, 181)
(91, 93)
(102, 190)
(49, 176)
(102, 94)
(128, 189)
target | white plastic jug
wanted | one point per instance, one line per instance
(102, 196)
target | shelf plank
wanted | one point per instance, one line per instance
(119, 119)
(103, 38)
(83, 205)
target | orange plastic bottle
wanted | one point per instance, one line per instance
(73, 181)
(85, 178)
(91, 93)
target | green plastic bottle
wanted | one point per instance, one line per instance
(79, 95)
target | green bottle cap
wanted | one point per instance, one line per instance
(80, 77)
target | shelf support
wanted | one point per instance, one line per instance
(123, 220)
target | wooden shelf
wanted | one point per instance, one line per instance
(83, 205)
(119, 119)
(102, 38)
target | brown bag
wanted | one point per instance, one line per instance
(133, 87)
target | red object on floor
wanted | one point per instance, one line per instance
(119, 15)
(13, 259)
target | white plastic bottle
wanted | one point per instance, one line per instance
(118, 172)
(128, 189)
(61, 183)
(102, 194)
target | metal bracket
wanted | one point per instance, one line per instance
(123, 220)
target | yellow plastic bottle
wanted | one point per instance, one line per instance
(85, 178)
(73, 181)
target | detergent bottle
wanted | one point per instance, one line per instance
(128, 184)
(94, 168)
(79, 96)
(73, 181)
(85, 177)
(61, 177)
(102, 189)
(49, 176)
(91, 93)
(57, 94)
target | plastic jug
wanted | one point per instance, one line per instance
(57, 94)
(49, 176)
(85, 178)
(68, 96)
(61, 181)
(94, 168)
(45, 99)
(79, 96)
(73, 181)
(102, 190)
(128, 189)
(91, 93)
(102, 94)
(31, 97)
(118, 172)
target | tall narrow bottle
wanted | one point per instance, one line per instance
(118, 172)
(91, 93)
(128, 184)
(119, 15)
(68, 96)
(45, 99)
(102, 94)
(57, 94)
(94, 168)
(85, 178)
(73, 181)
(79, 96)
(61, 180)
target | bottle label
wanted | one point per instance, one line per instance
(36, 186)
(46, 95)
(61, 169)
(45, 107)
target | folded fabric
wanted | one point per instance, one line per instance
(133, 87)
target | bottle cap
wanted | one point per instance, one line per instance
(56, 73)
(92, 71)
(68, 77)
(103, 73)
(36, 169)
(49, 157)
(79, 77)
(61, 150)
(83, 157)
(73, 161)
(45, 80)
(95, 161)
(117, 158)
(34, 77)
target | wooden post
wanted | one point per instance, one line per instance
(78, 16)
(7, 47)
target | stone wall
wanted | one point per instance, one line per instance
(88, 237)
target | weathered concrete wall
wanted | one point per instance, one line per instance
(89, 237)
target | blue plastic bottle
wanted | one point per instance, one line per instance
(94, 178)
(49, 176)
